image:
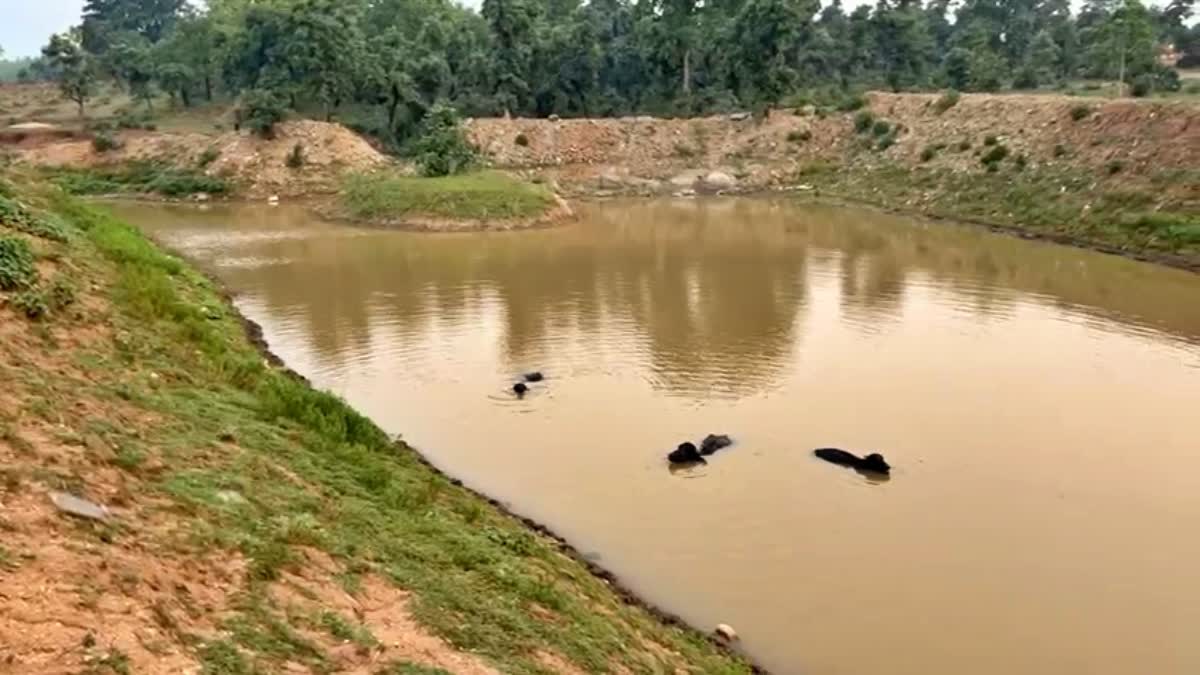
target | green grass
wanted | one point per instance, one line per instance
(484, 195)
(312, 472)
(139, 177)
(1048, 200)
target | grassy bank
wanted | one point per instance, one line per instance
(258, 525)
(481, 196)
(1156, 217)
(137, 178)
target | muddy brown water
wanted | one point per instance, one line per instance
(1040, 405)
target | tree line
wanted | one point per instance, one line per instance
(385, 64)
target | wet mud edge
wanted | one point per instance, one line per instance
(254, 333)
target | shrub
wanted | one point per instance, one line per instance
(16, 264)
(261, 110)
(32, 303)
(990, 140)
(137, 178)
(863, 121)
(852, 102)
(441, 148)
(928, 153)
(1026, 78)
(1114, 167)
(1179, 230)
(1021, 162)
(209, 156)
(104, 141)
(62, 293)
(886, 142)
(947, 101)
(881, 128)
(994, 156)
(1142, 86)
(1060, 150)
(1079, 112)
(799, 136)
(295, 158)
(522, 140)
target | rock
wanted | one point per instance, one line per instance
(725, 633)
(739, 117)
(535, 376)
(553, 118)
(273, 200)
(79, 507)
(520, 389)
(717, 181)
(201, 196)
(230, 497)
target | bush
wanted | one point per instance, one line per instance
(295, 158)
(32, 303)
(1143, 85)
(104, 141)
(441, 148)
(261, 110)
(209, 156)
(1114, 167)
(522, 140)
(16, 264)
(1079, 112)
(886, 142)
(947, 101)
(137, 178)
(994, 156)
(863, 121)
(1179, 230)
(799, 136)
(881, 128)
(852, 102)
(1026, 78)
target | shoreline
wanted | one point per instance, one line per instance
(255, 335)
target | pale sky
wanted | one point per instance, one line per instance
(26, 25)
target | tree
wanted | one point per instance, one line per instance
(73, 66)
(1124, 42)
(512, 26)
(150, 19)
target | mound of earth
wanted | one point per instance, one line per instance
(259, 167)
(644, 154)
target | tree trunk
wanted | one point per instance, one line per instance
(185, 97)
(208, 88)
(80, 103)
(687, 71)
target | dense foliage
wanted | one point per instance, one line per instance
(383, 64)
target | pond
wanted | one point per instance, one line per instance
(1040, 406)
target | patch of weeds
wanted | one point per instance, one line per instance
(930, 151)
(990, 140)
(104, 142)
(210, 155)
(799, 136)
(946, 101)
(1021, 162)
(1114, 167)
(886, 142)
(115, 662)
(1177, 230)
(62, 293)
(521, 140)
(863, 121)
(851, 103)
(818, 168)
(881, 128)
(129, 458)
(345, 631)
(1078, 112)
(221, 657)
(1060, 150)
(295, 158)
(139, 177)
(32, 303)
(262, 632)
(16, 264)
(994, 155)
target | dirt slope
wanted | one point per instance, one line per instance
(257, 166)
(644, 154)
